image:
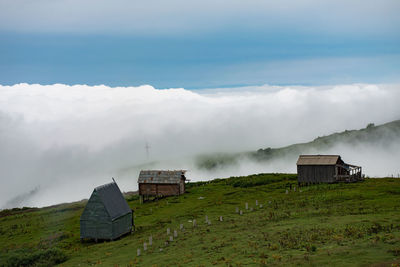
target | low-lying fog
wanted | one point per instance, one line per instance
(58, 142)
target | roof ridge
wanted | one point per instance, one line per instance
(113, 200)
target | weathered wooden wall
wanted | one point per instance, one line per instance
(182, 186)
(96, 223)
(161, 189)
(122, 225)
(316, 173)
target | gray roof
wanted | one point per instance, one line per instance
(161, 177)
(318, 159)
(113, 200)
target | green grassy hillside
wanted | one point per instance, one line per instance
(382, 136)
(340, 224)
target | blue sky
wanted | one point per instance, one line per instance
(213, 44)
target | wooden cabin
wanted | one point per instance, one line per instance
(313, 169)
(107, 215)
(157, 183)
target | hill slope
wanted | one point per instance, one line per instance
(375, 137)
(338, 224)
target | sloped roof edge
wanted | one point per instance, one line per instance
(161, 176)
(318, 159)
(113, 200)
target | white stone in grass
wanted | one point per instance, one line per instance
(247, 206)
(260, 206)
(237, 210)
(294, 189)
(161, 249)
(168, 231)
(209, 222)
(194, 223)
(175, 233)
(220, 218)
(241, 212)
(206, 219)
(138, 252)
(181, 226)
(144, 246)
(287, 192)
(171, 238)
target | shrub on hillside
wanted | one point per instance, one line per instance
(260, 179)
(47, 257)
(249, 181)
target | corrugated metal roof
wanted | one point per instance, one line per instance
(113, 200)
(161, 177)
(318, 159)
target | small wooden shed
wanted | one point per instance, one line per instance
(106, 215)
(158, 183)
(326, 169)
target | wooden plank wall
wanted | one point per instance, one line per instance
(159, 189)
(182, 186)
(95, 221)
(122, 225)
(316, 173)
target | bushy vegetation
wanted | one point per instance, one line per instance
(320, 225)
(38, 258)
(7, 212)
(251, 180)
(261, 179)
(212, 162)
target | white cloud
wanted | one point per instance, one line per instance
(66, 139)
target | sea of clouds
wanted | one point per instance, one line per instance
(57, 141)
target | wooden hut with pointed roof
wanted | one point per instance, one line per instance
(313, 169)
(106, 215)
(158, 183)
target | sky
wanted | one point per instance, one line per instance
(209, 44)
(85, 85)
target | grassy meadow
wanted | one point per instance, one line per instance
(354, 224)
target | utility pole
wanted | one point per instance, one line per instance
(147, 150)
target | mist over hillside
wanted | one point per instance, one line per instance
(375, 148)
(58, 141)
